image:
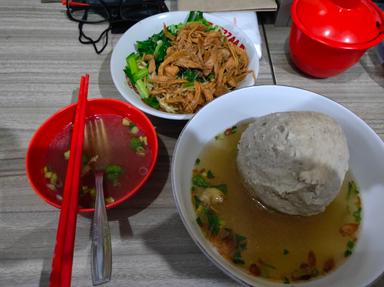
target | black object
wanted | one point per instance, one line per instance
(119, 14)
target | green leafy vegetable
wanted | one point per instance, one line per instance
(140, 74)
(152, 102)
(174, 28)
(156, 45)
(142, 89)
(192, 75)
(137, 75)
(197, 16)
(132, 67)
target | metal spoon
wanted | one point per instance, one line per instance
(101, 237)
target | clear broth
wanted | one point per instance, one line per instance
(116, 151)
(279, 247)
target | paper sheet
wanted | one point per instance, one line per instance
(227, 5)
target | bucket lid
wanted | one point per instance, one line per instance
(354, 24)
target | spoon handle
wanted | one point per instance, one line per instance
(101, 238)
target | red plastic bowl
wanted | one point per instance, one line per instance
(329, 36)
(318, 59)
(38, 146)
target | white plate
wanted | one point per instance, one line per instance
(153, 25)
(366, 162)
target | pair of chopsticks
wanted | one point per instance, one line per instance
(65, 238)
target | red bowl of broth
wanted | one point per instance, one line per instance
(129, 153)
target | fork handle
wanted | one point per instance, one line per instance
(101, 238)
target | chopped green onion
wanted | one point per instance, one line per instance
(214, 224)
(135, 143)
(357, 215)
(199, 181)
(66, 154)
(349, 250)
(352, 189)
(197, 201)
(113, 173)
(134, 129)
(48, 174)
(54, 178)
(143, 139)
(210, 174)
(126, 122)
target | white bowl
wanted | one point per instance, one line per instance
(366, 162)
(152, 25)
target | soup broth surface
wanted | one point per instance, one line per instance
(113, 144)
(264, 242)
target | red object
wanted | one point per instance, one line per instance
(38, 146)
(65, 238)
(74, 4)
(329, 36)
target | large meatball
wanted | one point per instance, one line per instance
(293, 162)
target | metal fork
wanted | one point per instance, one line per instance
(101, 262)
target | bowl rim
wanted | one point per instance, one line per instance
(209, 251)
(132, 192)
(144, 107)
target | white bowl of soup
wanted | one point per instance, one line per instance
(168, 75)
(127, 156)
(341, 246)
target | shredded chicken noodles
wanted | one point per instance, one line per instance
(198, 64)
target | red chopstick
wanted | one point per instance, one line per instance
(65, 238)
